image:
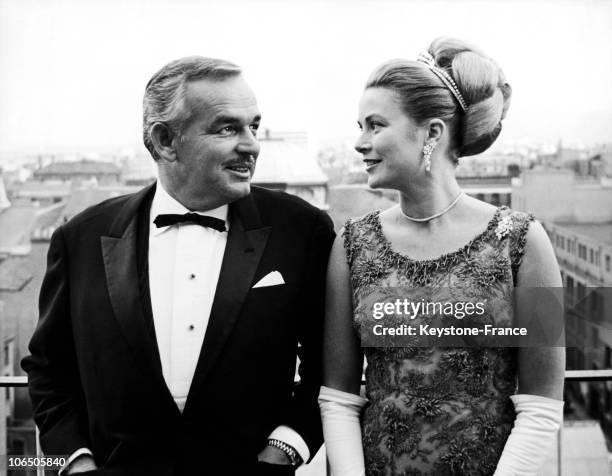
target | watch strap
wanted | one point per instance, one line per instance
(289, 450)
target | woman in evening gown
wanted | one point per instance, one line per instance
(428, 409)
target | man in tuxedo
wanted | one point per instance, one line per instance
(171, 319)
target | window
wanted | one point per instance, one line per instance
(582, 254)
(562, 242)
(580, 290)
(591, 260)
(596, 302)
(608, 263)
(569, 291)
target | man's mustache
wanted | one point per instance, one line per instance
(247, 161)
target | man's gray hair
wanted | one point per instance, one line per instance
(164, 95)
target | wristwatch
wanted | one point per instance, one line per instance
(292, 454)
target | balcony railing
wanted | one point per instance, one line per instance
(570, 376)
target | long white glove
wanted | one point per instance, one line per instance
(537, 421)
(340, 413)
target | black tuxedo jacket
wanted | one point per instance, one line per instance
(94, 371)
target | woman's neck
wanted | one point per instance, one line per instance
(430, 197)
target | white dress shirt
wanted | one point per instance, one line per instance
(184, 266)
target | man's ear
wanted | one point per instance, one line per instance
(162, 138)
(435, 130)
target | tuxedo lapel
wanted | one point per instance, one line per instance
(246, 242)
(119, 251)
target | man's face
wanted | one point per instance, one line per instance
(217, 149)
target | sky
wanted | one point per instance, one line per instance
(72, 72)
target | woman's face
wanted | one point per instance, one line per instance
(390, 142)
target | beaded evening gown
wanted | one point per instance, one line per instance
(432, 410)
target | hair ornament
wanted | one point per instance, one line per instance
(428, 59)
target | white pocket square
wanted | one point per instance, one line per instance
(271, 279)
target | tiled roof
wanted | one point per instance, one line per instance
(80, 199)
(83, 167)
(84, 198)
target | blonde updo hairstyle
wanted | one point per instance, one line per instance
(424, 96)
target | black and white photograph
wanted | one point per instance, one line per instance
(305, 238)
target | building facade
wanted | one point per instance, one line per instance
(496, 190)
(577, 216)
(559, 195)
(285, 164)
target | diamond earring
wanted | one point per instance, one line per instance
(428, 149)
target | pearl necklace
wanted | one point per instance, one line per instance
(452, 204)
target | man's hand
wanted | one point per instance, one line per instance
(81, 464)
(273, 455)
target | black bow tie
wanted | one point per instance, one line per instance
(203, 220)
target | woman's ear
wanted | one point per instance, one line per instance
(163, 141)
(435, 130)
